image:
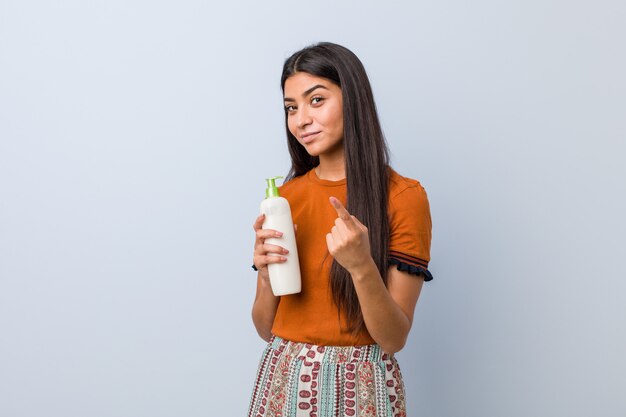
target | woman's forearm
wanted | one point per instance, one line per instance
(264, 308)
(386, 322)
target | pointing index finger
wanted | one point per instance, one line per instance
(341, 210)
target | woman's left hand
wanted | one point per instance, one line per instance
(348, 241)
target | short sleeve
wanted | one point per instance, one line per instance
(410, 230)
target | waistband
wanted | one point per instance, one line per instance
(328, 354)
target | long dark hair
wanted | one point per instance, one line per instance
(366, 158)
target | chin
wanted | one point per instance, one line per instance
(313, 150)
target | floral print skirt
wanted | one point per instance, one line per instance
(301, 379)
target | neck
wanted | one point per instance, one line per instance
(331, 167)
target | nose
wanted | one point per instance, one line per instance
(303, 117)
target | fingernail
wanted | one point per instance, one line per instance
(285, 251)
(282, 258)
(279, 234)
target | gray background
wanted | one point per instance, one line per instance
(134, 140)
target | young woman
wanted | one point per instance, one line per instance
(363, 234)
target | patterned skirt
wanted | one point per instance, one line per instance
(301, 379)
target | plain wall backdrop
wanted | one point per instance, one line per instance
(135, 137)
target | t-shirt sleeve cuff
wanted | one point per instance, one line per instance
(407, 265)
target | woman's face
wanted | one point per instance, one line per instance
(315, 113)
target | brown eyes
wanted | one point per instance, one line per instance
(314, 100)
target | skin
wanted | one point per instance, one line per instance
(387, 311)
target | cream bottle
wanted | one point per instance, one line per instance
(285, 276)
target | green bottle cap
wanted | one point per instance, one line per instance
(272, 190)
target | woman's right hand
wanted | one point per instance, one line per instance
(265, 253)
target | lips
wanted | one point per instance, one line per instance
(309, 137)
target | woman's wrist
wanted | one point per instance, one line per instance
(265, 278)
(364, 269)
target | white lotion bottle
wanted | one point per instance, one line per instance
(285, 276)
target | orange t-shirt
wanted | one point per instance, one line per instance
(311, 316)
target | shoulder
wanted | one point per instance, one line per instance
(410, 225)
(404, 189)
(408, 202)
(293, 185)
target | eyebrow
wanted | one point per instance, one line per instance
(307, 92)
